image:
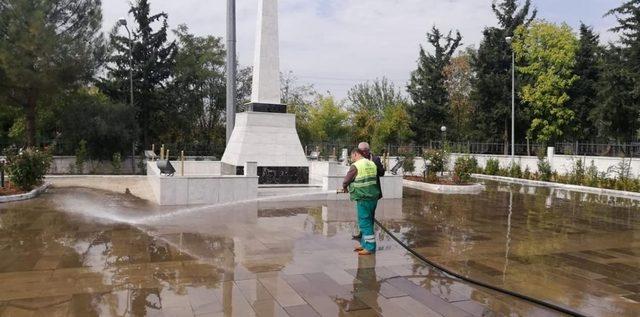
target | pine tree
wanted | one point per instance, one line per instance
(616, 115)
(46, 48)
(492, 66)
(153, 61)
(584, 92)
(427, 88)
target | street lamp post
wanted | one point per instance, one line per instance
(509, 40)
(444, 135)
(123, 22)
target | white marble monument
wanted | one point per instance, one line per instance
(266, 133)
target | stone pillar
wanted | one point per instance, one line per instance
(251, 169)
(266, 66)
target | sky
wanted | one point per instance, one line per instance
(335, 44)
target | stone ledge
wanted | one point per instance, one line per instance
(444, 189)
(576, 188)
(26, 196)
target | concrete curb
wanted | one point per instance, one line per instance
(444, 189)
(26, 196)
(577, 188)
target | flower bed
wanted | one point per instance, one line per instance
(10, 189)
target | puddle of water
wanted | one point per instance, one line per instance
(579, 250)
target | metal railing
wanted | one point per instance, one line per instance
(494, 148)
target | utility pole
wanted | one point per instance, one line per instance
(231, 67)
(509, 40)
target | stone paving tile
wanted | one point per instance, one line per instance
(269, 308)
(301, 311)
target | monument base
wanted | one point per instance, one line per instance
(271, 140)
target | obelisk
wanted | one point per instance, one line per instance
(266, 64)
(266, 133)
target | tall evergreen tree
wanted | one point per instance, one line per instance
(584, 92)
(427, 88)
(627, 67)
(153, 61)
(615, 116)
(492, 68)
(46, 47)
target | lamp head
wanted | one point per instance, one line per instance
(122, 22)
(443, 129)
(508, 39)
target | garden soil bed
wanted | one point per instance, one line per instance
(9, 190)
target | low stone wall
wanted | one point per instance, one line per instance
(30, 195)
(568, 187)
(61, 165)
(201, 189)
(330, 175)
(445, 189)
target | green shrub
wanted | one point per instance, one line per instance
(515, 170)
(463, 168)
(409, 165)
(116, 163)
(81, 156)
(527, 173)
(592, 176)
(28, 167)
(438, 160)
(577, 174)
(492, 167)
(544, 170)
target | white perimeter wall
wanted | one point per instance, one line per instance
(559, 163)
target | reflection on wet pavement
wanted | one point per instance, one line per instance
(76, 252)
(574, 249)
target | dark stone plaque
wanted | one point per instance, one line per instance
(279, 175)
(283, 175)
(266, 107)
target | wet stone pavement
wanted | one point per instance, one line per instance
(76, 252)
(574, 249)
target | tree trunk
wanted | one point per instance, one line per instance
(30, 120)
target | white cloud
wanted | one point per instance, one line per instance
(335, 44)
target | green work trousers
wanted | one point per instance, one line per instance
(366, 215)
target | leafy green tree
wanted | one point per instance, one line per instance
(547, 53)
(427, 86)
(393, 128)
(328, 121)
(458, 81)
(197, 91)
(299, 100)
(368, 103)
(492, 68)
(153, 62)
(46, 47)
(584, 92)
